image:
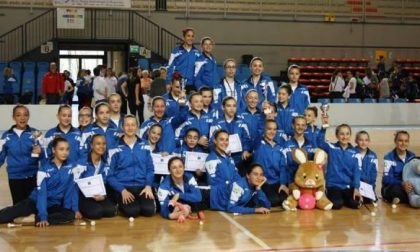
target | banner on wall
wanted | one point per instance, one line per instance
(381, 53)
(70, 18)
(93, 3)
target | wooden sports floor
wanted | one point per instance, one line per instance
(391, 229)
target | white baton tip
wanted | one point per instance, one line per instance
(131, 219)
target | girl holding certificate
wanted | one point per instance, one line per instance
(54, 201)
(273, 161)
(190, 144)
(369, 161)
(100, 205)
(221, 171)
(178, 193)
(131, 173)
(20, 150)
(238, 131)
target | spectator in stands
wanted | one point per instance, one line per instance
(122, 90)
(9, 82)
(100, 86)
(131, 87)
(384, 88)
(412, 89)
(396, 79)
(141, 90)
(337, 85)
(359, 85)
(68, 88)
(371, 83)
(158, 86)
(183, 59)
(84, 89)
(53, 85)
(352, 84)
(111, 80)
(381, 67)
(205, 73)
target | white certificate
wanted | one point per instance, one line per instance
(161, 163)
(366, 190)
(195, 160)
(235, 144)
(92, 186)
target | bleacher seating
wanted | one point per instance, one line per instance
(400, 100)
(354, 100)
(316, 72)
(143, 63)
(17, 71)
(369, 100)
(385, 100)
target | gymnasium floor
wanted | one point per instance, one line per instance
(391, 229)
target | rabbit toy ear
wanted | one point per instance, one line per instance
(300, 156)
(320, 157)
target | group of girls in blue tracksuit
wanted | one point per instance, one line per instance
(266, 121)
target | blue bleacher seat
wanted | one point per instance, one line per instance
(385, 100)
(369, 100)
(43, 66)
(339, 100)
(246, 72)
(241, 67)
(3, 65)
(143, 64)
(28, 84)
(154, 66)
(29, 66)
(324, 100)
(354, 100)
(400, 100)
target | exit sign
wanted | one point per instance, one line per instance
(134, 49)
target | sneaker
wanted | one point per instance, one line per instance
(395, 201)
(30, 219)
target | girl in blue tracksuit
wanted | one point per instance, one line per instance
(101, 126)
(190, 144)
(229, 86)
(312, 132)
(116, 119)
(369, 161)
(178, 193)
(85, 118)
(394, 190)
(175, 98)
(205, 72)
(168, 135)
(209, 107)
(300, 98)
(262, 83)
(54, 201)
(273, 162)
(19, 148)
(131, 173)
(245, 196)
(66, 130)
(343, 168)
(297, 141)
(183, 58)
(100, 205)
(221, 171)
(253, 118)
(234, 125)
(196, 118)
(285, 112)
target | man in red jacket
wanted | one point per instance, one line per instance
(53, 85)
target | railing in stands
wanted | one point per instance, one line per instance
(100, 24)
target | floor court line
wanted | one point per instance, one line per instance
(244, 230)
(379, 246)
